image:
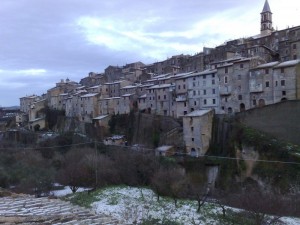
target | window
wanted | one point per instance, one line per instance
(282, 82)
(240, 97)
(294, 56)
(213, 76)
(213, 82)
(204, 83)
(204, 92)
(213, 91)
(193, 139)
(239, 77)
(283, 93)
(226, 80)
(184, 86)
(184, 104)
(276, 83)
(226, 99)
(214, 101)
(192, 128)
(204, 101)
(204, 76)
(241, 65)
(267, 84)
(254, 102)
(226, 69)
(194, 84)
(194, 93)
(195, 103)
(294, 46)
(178, 87)
(159, 97)
(165, 97)
(267, 71)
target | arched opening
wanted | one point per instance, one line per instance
(36, 127)
(261, 103)
(193, 152)
(242, 107)
(229, 110)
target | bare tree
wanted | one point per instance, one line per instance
(168, 182)
(261, 207)
(74, 171)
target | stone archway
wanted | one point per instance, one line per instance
(261, 103)
(242, 107)
(230, 111)
(193, 152)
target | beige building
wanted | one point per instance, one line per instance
(161, 99)
(26, 102)
(37, 115)
(274, 82)
(197, 129)
(89, 107)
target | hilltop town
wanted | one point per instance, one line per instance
(239, 75)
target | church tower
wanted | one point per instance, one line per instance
(266, 20)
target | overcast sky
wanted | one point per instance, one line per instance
(43, 41)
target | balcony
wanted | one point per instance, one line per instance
(225, 90)
(255, 87)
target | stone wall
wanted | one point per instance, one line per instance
(281, 120)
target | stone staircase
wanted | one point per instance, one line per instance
(26, 209)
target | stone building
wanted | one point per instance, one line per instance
(197, 129)
(161, 99)
(27, 101)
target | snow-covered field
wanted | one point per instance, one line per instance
(134, 205)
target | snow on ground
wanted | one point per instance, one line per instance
(131, 205)
(66, 191)
(134, 204)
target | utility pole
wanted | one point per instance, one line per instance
(96, 163)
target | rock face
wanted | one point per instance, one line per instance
(25, 209)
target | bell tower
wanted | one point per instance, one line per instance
(266, 26)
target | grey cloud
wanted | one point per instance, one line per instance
(42, 34)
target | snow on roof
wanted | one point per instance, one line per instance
(225, 65)
(36, 119)
(96, 86)
(100, 117)
(146, 85)
(89, 95)
(164, 148)
(205, 72)
(64, 94)
(143, 96)
(198, 113)
(267, 65)
(129, 87)
(127, 95)
(183, 74)
(161, 86)
(288, 63)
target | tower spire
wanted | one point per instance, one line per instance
(266, 26)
